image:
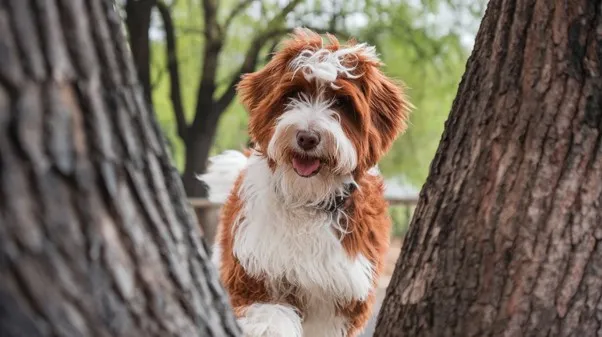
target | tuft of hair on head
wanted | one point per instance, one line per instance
(328, 61)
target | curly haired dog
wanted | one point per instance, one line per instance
(305, 229)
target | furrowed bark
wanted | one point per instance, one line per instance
(505, 240)
(96, 237)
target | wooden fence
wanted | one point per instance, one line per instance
(211, 214)
(202, 203)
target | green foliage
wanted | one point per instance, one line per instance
(401, 217)
(428, 62)
(431, 87)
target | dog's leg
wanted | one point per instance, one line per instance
(269, 320)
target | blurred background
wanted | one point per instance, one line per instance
(190, 54)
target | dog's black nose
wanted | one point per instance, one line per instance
(307, 140)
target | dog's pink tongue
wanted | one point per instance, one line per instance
(306, 167)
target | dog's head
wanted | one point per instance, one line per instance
(322, 110)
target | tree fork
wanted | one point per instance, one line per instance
(96, 237)
(505, 240)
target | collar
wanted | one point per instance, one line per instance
(340, 201)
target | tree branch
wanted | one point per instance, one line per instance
(210, 16)
(242, 5)
(247, 66)
(172, 66)
(160, 73)
(280, 17)
(205, 110)
(212, 48)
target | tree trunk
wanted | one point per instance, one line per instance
(96, 237)
(138, 20)
(505, 240)
(198, 146)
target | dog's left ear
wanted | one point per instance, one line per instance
(389, 113)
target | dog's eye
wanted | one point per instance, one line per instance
(345, 105)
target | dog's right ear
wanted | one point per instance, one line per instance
(257, 92)
(254, 87)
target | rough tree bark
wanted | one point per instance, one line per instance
(505, 240)
(96, 237)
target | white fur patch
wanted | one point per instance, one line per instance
(270, 320)
(374, 171)
(276, 240)
(292, 192)
(326, 66)
(222, 172)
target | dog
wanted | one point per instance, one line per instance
(304, 227)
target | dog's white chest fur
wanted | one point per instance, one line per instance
(299, 246)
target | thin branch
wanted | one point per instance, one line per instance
(205, 111)
(280, 17)
(172, 67)
(212, 32)
(160, 73)
(242, 5)
(211, 51)
(249, 64)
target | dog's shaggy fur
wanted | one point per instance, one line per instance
(305, 229)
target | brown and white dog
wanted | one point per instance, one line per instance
(305, 229)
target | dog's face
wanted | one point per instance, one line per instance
(321, 110)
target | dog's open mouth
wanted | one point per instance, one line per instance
(306, 166)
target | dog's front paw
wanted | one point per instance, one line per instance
(270, 320)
